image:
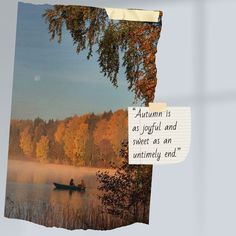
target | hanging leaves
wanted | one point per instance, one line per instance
(132, 42)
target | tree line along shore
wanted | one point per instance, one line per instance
(86, 140)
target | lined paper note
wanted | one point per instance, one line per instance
(159, 137)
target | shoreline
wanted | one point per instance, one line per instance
(34, 172)
(59, 165)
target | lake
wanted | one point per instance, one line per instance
(30, 195)
(29, 181)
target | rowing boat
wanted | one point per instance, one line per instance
(69, 187)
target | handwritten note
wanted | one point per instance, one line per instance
(159, 137)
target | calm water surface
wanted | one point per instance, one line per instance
(32, 183)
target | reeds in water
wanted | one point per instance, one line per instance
(47, 214)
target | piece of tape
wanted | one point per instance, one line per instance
(133, 14)
(161, 106)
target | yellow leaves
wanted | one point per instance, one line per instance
(75, 138)
(26, 143)
(137, 40)
(101, 131)
(42, 149)
(118, 129)
(59, 134)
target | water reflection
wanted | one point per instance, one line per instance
(36, 184)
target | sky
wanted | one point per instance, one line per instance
(51, 80)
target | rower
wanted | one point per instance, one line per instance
(72, 182)
(81, 184)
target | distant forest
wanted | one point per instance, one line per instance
(86, 140)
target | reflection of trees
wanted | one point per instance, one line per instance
(127, 193)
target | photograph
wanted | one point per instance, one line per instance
(76, 72)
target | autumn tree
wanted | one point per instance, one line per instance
(102, 142)
(88, 140)
(133, 42)
(91, 154)
(126, 194)
(26, 142)
(42, 149)
(16, 128)
(60, 132)
(57, 147)
(106, 154)
(118, 129)
(39, 131)
(100, 131)
(75, 139)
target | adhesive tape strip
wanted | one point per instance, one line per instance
(133, 14)
(162, 106)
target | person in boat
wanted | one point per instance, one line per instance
(72, 182)
(82, 184)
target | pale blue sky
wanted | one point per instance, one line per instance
(51, 80)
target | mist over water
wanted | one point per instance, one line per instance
(31, 184)
(38, 173)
